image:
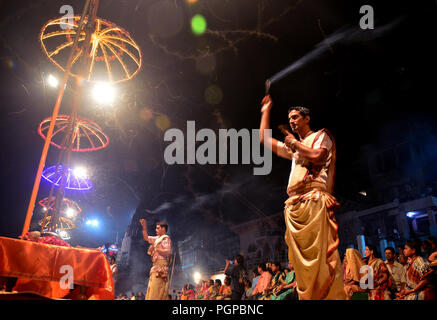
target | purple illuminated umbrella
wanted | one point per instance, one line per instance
(76, 178)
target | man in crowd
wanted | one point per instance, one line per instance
(402, 259)
(397, 271)
(311, 228)
(140, 296)
(114, 269)
(237, 273)
(418, 275)
(174, 295)
(160, 250)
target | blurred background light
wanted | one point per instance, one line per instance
(197, 277)
(64, 235)
(162, 122)
(411, 214)
(103, 93)
(70, 212)
(213, 95)
(92, 222)
(198, 24)
(52, 81)
(80, 172)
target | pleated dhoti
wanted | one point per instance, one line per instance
(311, 236)
(157, 288)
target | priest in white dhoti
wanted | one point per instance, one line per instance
(160, 251)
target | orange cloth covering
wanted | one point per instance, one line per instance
(37, 267)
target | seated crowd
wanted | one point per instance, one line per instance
(409, 274)
(269, 282)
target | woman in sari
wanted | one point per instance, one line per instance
(214, 289)
(211, 291)
(418, 286)
(188, 292)
(197, 289)
(184, 295)
(352, 263)
(285, 291)
(225, 290)
(381, 276)
(278, 278)
(263, 281)
(201, 292)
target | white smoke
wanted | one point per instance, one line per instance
(352, 35)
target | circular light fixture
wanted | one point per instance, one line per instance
(76, 178)
(87, 135)
(114, 54)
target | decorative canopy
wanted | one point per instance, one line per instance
(87, 135)
(115, 57)
(75, 180)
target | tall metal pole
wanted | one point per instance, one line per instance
(52, 123)
(84, 73)
(52, 188)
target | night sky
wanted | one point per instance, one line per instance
(355, 89)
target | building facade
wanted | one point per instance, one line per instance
(391, 224)
(398, 202)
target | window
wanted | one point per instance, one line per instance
(422, 225)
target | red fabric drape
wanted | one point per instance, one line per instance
(37, 267)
